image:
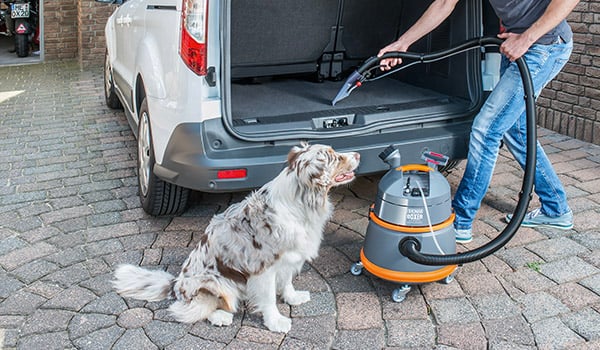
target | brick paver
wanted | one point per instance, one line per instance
(69, 213)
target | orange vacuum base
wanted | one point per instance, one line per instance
(406, 277)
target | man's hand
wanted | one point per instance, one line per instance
(515, 45)
(389, 63)
(435, 14)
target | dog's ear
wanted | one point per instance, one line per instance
(294, 153)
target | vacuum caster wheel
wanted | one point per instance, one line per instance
(356, 268)
(449, 278)
(399, 294)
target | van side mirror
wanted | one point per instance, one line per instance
(116, 2)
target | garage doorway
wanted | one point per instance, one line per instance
(18, 49)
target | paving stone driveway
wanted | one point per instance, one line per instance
(69, 213)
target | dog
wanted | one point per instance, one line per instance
(252, 250)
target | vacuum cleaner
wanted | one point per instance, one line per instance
(410, 238)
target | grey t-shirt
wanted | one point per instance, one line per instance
(518, 15)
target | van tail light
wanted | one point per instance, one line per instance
(194, 24)
(232, 174)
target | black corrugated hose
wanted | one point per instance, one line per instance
(410, 247)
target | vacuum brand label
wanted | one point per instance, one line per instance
(415, 214)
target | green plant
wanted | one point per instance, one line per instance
(535, 266)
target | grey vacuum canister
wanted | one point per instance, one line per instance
(412, 201)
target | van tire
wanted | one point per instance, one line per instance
(157, 197)
(110, 95)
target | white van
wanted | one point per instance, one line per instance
(217, 91)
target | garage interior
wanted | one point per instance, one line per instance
(8, 55)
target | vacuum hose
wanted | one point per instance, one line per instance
(410, 247)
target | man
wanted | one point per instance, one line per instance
(536, 30)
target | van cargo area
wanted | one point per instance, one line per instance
(288, 59)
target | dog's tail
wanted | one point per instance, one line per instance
(138, 283)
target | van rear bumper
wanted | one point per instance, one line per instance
(197, 151)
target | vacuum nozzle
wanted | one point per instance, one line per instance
(354, 80)
(434, 159)
(391, 155)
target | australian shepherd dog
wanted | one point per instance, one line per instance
(251, 251)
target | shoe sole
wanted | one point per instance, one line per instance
(559, 227)
(463, 241)
(568, 227)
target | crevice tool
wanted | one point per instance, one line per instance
(355, 79)
(365, 71)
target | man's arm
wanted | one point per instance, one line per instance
(435, 14)
(515, 45)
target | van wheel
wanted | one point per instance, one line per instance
(157, 196)
(110, 95)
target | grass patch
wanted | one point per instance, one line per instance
(535, 266)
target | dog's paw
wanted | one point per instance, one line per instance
(220, 318)
(297, 297)
(279, 324)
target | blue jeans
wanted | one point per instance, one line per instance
(503, 117)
